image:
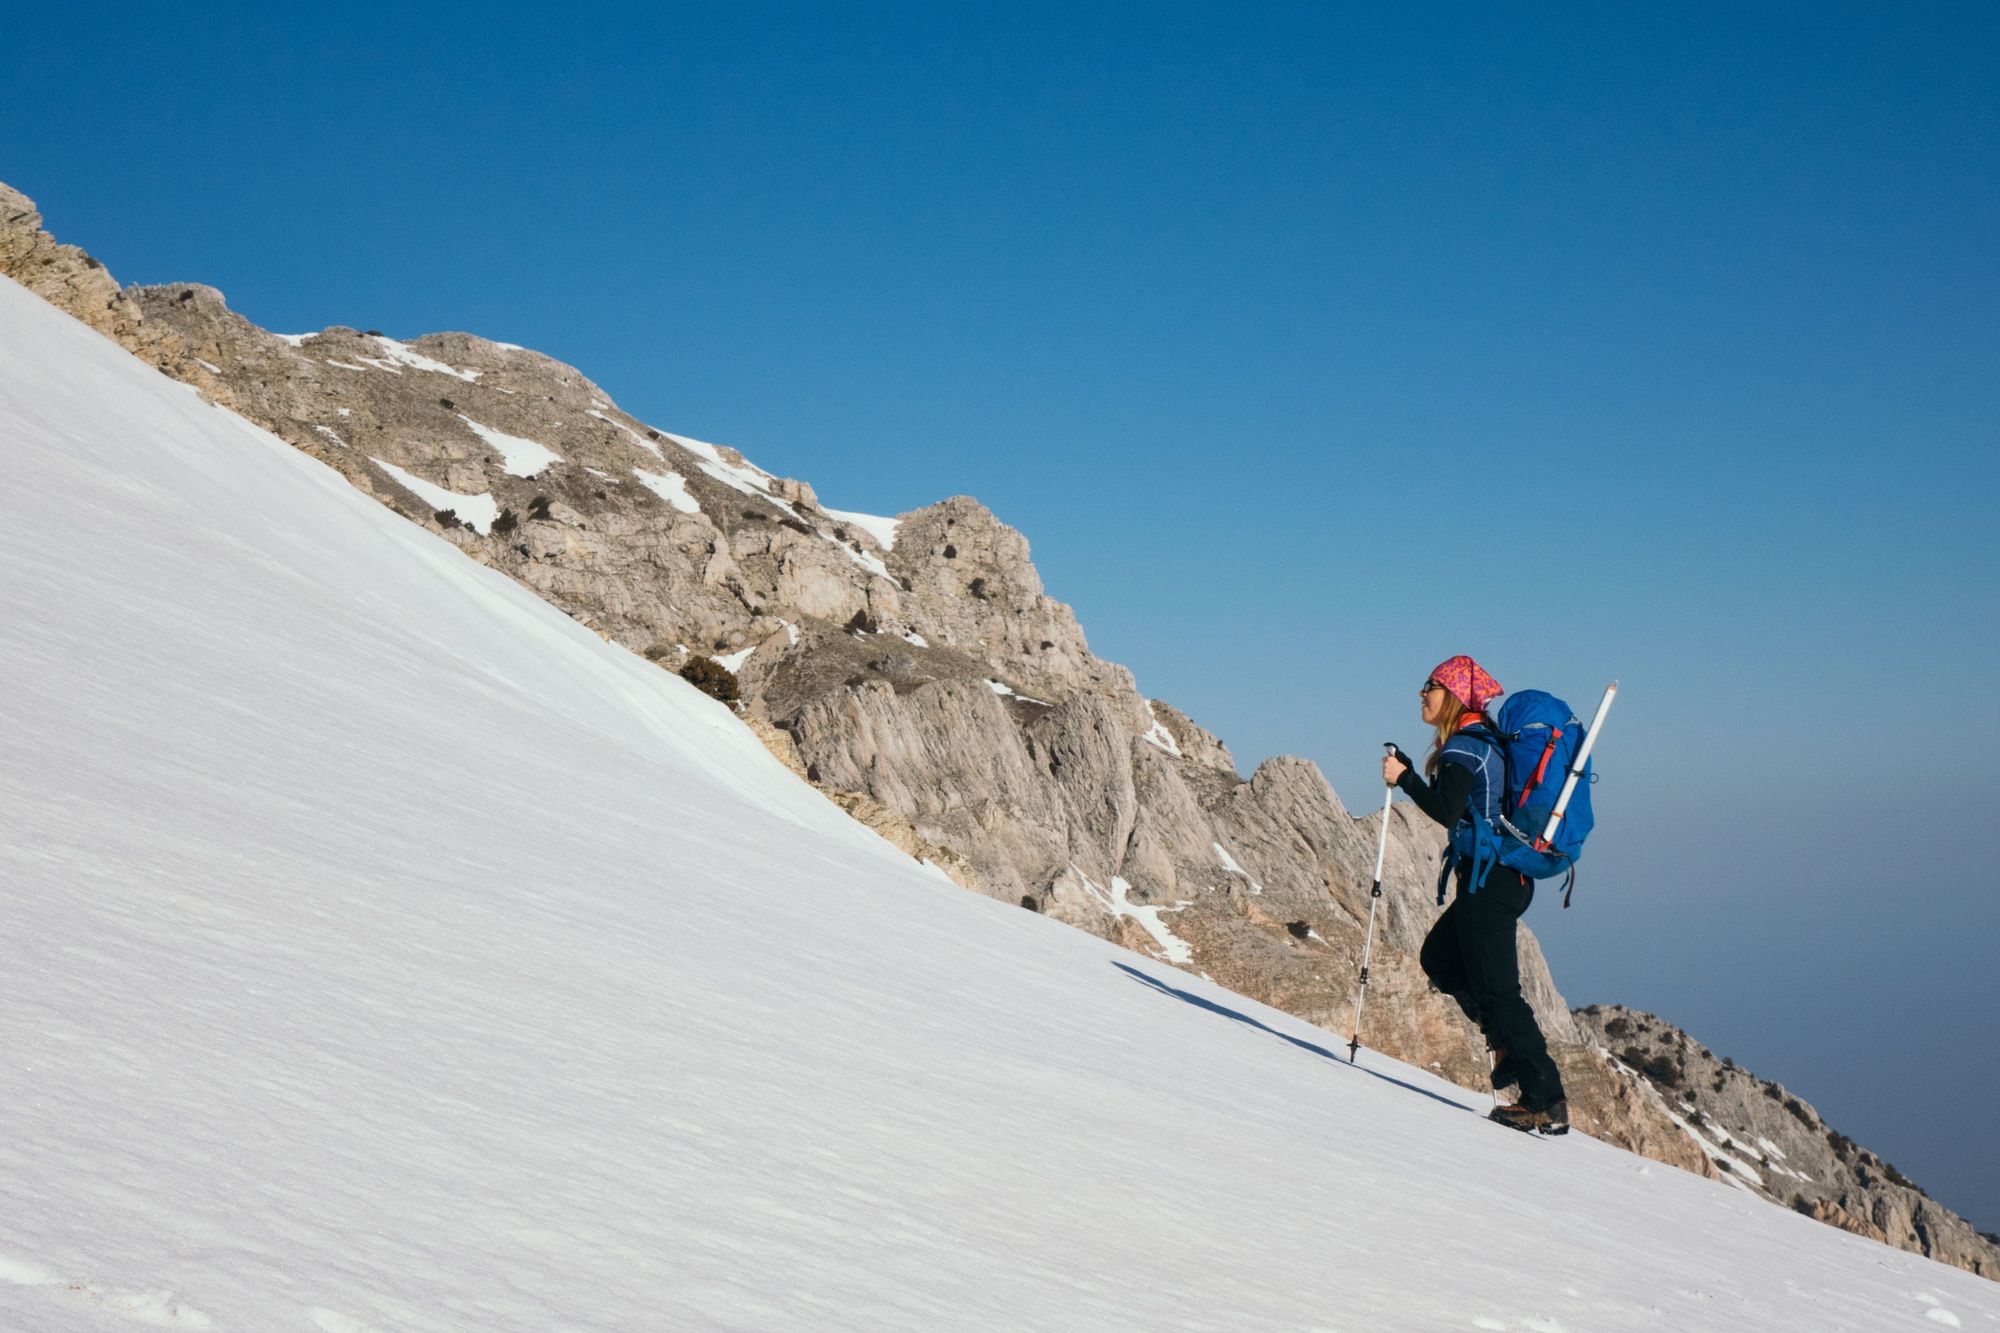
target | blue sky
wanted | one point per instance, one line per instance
(1307, 344)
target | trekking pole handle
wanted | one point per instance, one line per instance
(1576, 764)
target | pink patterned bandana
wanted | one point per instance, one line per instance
(1467, 681)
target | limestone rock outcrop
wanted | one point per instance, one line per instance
(1771, 1143)
(70, 280)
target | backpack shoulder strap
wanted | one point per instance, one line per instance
(1492, 736)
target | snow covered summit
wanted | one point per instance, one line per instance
(386, 951)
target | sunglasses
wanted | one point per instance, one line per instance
(1428, 686)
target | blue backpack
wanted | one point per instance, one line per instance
(1537, 736)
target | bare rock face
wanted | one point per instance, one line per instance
(1770, 1143)
(62, 275)
(71, 280)
(946, 755)
(1835, 1216)
(914, 669)
(969, 579)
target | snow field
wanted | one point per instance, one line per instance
(386, 951)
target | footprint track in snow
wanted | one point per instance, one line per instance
(1934, 1309)
(159, 1307)
(1937, 1314)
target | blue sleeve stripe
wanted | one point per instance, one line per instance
(1478, 757)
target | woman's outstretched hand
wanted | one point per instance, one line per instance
(1393, 769)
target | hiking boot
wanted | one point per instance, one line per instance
(1516, 1117)
(1551, 1120)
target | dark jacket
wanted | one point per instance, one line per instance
(1471, 776)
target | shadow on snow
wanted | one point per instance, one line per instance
(1188, 997)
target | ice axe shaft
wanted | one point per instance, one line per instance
(1576, 768)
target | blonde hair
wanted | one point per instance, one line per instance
(1454, 712)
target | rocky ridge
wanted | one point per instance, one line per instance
(913, 668)
(1769, 1142)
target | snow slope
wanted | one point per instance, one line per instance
(385, 951)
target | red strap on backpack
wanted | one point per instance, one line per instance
(1541, 769)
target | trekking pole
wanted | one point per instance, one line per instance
(1548, 837)
(1374, 896)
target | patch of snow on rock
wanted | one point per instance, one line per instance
(1734, 1170)
(635, 436)
(868, 560)
(883, 530)
(1002, 688)
(519, 457)
(671, 487)
(753, 480)
(1229, 864)
(1119, 902)
(748, 477)
(475, 511)
(403, 354)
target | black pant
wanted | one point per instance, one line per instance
(1470, 955)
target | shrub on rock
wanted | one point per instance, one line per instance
(711, 678)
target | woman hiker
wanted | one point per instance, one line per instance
(1471, 952)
